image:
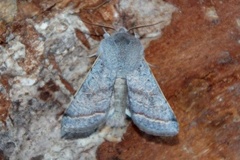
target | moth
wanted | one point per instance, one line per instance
(119, 82)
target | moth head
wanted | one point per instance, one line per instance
(122, 30)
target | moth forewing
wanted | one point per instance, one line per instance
(149, 108)
(90, 105)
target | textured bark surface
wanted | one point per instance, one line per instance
(44, 58)
(196, 62)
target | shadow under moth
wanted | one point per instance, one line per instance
(119, 82)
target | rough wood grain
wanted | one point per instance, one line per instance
(196, 63)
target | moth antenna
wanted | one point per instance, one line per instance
(99, 25)
(141, 26)
(96, 7)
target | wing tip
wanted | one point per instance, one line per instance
(167, 128)
(75, 134)
(73, 129)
